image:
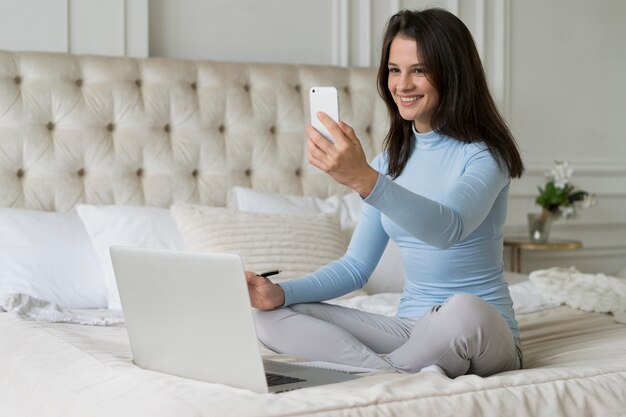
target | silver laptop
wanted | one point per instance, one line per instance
(189, 314)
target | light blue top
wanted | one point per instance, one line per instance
(446, 213)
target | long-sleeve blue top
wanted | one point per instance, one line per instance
(446, 213)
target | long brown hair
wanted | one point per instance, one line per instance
(466, 109)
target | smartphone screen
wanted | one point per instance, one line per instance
(324, 99)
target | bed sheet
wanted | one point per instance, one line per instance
(575, 365)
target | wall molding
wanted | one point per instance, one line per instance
(112, 27)
(67, 27)
(89, 31)
(365, 33)
(501, 58)
(341, 33)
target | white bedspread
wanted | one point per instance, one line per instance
(576, 366)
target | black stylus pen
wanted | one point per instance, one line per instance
(270, 273)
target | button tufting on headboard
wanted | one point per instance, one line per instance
(182, 121)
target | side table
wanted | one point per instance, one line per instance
(518, 244)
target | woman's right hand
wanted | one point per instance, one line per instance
(344, 160)
(264, 294)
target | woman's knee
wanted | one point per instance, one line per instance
(472, 312)
(485, 333)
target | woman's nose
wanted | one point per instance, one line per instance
(405, 83)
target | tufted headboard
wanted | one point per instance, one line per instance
(108, 130)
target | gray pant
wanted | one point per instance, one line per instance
(463, 335)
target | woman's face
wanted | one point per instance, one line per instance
(416, 98)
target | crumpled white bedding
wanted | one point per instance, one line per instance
(587, 292)
(31, 308)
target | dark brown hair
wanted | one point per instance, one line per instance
(466, 110)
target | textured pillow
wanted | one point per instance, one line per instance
(389, 273)
(49, 256)
(151, 227)
(296, 244)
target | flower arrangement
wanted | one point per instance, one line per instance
(559, 196)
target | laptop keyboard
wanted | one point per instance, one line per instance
(276, 379)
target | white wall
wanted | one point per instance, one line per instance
(568, 101)
(103, 27)
(555, 68)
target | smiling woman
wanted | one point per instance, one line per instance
(440, 192)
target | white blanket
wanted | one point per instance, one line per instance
(31, 308)
(588, 292)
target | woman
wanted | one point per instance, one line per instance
(440, 191)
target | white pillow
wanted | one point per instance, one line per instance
(389, 273)
(297, 244)
(48, 255)
(151, 227)
(347, 208)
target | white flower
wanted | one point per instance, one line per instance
(588, 201)
(561, 174)
(567, 212)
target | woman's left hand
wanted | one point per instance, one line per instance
(343, 160)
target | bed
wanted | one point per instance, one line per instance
(95, 150)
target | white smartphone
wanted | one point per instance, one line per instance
(324, 99)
